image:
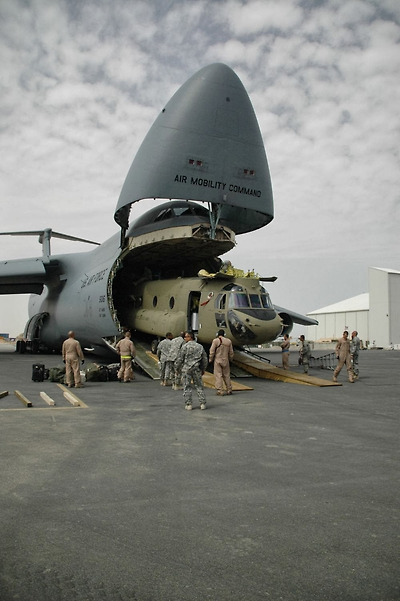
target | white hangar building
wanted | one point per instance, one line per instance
(375, 314)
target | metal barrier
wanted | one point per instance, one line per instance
(255, 355)
(327, 361)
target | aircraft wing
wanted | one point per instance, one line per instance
(288, 315)
(21, 276)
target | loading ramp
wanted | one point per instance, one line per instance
(148, 362)
(244, 364)
(262, 368)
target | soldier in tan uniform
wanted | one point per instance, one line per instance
(344, 357)
(221, 352)
(126, 350)
(72, 353)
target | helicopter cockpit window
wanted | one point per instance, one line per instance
(255, 301)
(220, 301)
(266, 301)
(234, 287)
(238, 300)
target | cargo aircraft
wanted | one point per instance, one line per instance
(204, 158)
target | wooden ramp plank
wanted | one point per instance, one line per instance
(209, 382)
(71, 397)
(23, 398)
(262, 369)
(47, 399)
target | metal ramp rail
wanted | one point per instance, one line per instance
(327, 361)
(262, 368)
(250, 353)
(237, 371)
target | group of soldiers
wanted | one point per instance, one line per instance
(347, 354)
(184, 361)
(304, 353)
(346, 351)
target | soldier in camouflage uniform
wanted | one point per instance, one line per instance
(305, 353)
(176, 372)
(193, 359)
(355, 345)
(163, 356)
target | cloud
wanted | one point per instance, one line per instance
(251, 18)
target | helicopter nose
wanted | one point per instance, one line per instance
(254, 331)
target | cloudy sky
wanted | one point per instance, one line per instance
(82, 81)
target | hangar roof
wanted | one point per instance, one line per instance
(355, 303)
(385, 269)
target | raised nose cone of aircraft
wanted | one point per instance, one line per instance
(205, 145)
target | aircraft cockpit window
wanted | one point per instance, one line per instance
(233, 287)
(179, 211)
(171, 302)
(266, 301)
(220, 301)
(239, 301)
(255, 301)
(155, 300)
(164, 214)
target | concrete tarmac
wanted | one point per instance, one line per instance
(282, 493)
